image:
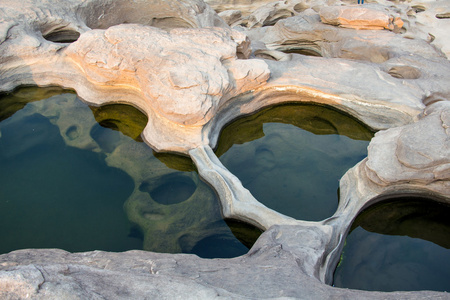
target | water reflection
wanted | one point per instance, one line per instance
(55, 196)
(291, 157)
(401, 245)
(77, 168)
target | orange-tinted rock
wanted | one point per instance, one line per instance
(359, 18)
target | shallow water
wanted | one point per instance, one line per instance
(291, 157)
(80, 179)
(398, 246)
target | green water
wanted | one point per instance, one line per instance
(402, 245)
(80, 178)
(291, 157)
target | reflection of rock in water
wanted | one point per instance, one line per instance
(400, 245)
(413, 217)
(245, 233)
(176, 225)
(54, 196)
(170, 190)
(16, 100)
(172, 209)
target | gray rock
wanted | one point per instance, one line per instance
(191, 80)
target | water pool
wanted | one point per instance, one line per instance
(400, 245)
(80, 178)
(291, 157)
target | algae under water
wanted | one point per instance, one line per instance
(80, 178)
(292, 156)
(399, 245)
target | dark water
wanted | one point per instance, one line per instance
(291, 157)
(54, 196)
(402, 245)
(63, 183)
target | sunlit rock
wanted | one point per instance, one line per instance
(359, 17)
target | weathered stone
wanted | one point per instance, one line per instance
(171, 77)
(408, 152)
(425, 24)
(359, 18)
(232, 17)
(191, 79)
(270, 13)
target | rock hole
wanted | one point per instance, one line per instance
(217, 244)
(400, 244)
(72, 132)
(247, 234)
(62, 36)
(443, 15)
(291, 157)
(121, 117)
(300, 7)
(418, 8)
(404, 72)
(307, 51)
(171, 189)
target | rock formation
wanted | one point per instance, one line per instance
(183, 65)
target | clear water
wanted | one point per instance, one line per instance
(398, 246)
(80, 179)
(291, 157)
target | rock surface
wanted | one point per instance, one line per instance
(191, 80)
(359, 18)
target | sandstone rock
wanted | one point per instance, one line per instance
(274, 268)
(191, 79)
(186, 89)
(425, 21)
(418, 160)
(232, 17)
(407, 152)
(270, 13)
(152, 61)
(359, 18)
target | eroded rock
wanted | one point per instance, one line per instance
(191, 80)
(359, 17)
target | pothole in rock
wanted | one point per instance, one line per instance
(72, 132)
(306, 48)
(445, 15)
(404, 72)
(291, 157)
(106, 191)
(170, 189)
(300, 7)
(418, 8)
(399, 245)
(303, 51)
(121, 119)
(62, 36)
(223, 245)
